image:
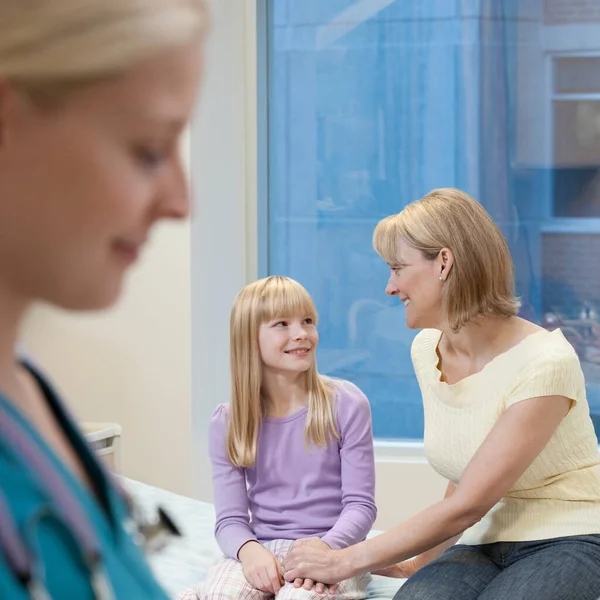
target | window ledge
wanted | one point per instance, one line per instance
(391, 451)
(571, 225)
(400, 451)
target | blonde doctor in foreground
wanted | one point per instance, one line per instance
(94, 95)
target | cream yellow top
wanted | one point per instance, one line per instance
(559, 494)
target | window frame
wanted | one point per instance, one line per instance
(552, 224)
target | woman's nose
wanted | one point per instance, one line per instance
(390, 288)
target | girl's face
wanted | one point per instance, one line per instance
(83, 183)
(288, 344)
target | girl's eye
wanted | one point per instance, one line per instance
(281, 324)
(308, 321)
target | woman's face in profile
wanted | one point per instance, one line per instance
(83, 183)
(415, 281)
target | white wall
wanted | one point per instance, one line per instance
(404, 487)
(224, 230)
(132, 365)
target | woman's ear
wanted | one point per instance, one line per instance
(446, 259)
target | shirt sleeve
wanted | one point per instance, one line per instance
(358, 469)
(232, 528)
(555, 374)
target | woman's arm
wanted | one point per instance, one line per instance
(426, 557)
(519, 435)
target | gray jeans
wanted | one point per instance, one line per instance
(565, 568)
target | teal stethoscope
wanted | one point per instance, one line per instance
(64, 508)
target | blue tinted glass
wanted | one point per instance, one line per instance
(373, 103)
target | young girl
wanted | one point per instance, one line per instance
(292, 453)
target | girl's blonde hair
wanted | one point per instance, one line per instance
(258, 303)
(49, 46)
(481, 281)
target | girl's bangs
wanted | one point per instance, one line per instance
(286, 299)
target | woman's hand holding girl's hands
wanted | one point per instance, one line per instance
(306, 582)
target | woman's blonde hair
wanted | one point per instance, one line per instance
(481, 281)
(49, 46)
(258, 303)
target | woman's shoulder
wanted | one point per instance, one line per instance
(424, 346)
(543, 347)
(546, 365)
(557, 344)
(426, 339)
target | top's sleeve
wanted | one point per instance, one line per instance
(555, 374)
(358, 469)
(232, 528)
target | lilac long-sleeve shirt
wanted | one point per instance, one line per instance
(293, 492)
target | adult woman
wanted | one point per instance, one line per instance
(506, 422)
(93, 98)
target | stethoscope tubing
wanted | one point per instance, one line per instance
(64, 503)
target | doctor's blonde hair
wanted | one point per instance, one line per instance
(258, 303)
(49, 47)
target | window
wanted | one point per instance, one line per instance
(371, 104)
(576, 123)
